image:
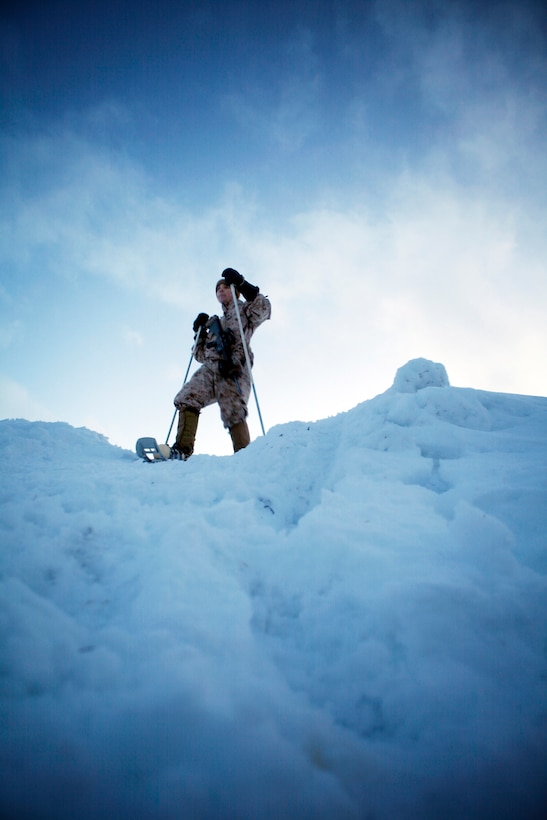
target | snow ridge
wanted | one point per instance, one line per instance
(346, 619)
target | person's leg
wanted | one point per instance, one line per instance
(197, 393)
(240, 435)
(232, 396)
(186, 432)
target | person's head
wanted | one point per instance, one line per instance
(224, 292)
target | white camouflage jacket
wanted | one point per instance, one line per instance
(252, 315)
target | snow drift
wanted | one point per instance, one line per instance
(347, 619)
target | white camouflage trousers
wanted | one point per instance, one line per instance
(207, 387)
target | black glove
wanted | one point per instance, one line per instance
(232, 277)
(200, 321)
(249, 291)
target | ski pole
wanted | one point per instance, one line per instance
(184, 382)
(247, 359)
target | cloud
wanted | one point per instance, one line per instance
(489, 83)
(423, 236)
(430, 268)
(92, 213)
(133, 338)
(10, 332)
(17, 402)
(283, 107)
(443, 273)
(463, 84)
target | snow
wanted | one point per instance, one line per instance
(345, 620)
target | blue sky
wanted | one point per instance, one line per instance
(378, 168)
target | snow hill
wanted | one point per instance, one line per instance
(345, 620)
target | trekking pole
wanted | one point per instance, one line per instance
(247, 359)
(184, 382)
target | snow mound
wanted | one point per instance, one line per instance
(419, 373)
(41, 441)
(346, 619)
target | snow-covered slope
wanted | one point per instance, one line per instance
(347, 619)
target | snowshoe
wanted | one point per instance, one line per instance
(149, 450)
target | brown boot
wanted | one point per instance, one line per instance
(186, 431)
(240, 435)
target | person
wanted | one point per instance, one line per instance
(224, 375)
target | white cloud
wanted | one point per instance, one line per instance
(17, 402)
(10, 331)
(133, 338)
(444, 275)
(92, 214)
(431, 269)
(445, 260)
(286, 111)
